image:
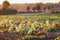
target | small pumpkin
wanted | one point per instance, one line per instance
(36, 32)
(58, 25)
(7, 25)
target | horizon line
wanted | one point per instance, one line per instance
(32, 3)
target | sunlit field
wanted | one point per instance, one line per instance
(32, 17)
(31, 25)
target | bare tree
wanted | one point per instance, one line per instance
(28, 8)
(33, 8)
(5, 4)
(38, 7)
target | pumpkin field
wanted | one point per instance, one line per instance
(34, 25)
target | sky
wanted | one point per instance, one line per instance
(30, 1)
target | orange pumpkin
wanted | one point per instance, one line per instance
(36, 32)
(7, 25)
(58, 25)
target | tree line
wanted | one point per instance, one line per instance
(49, 7)
(36, 7)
